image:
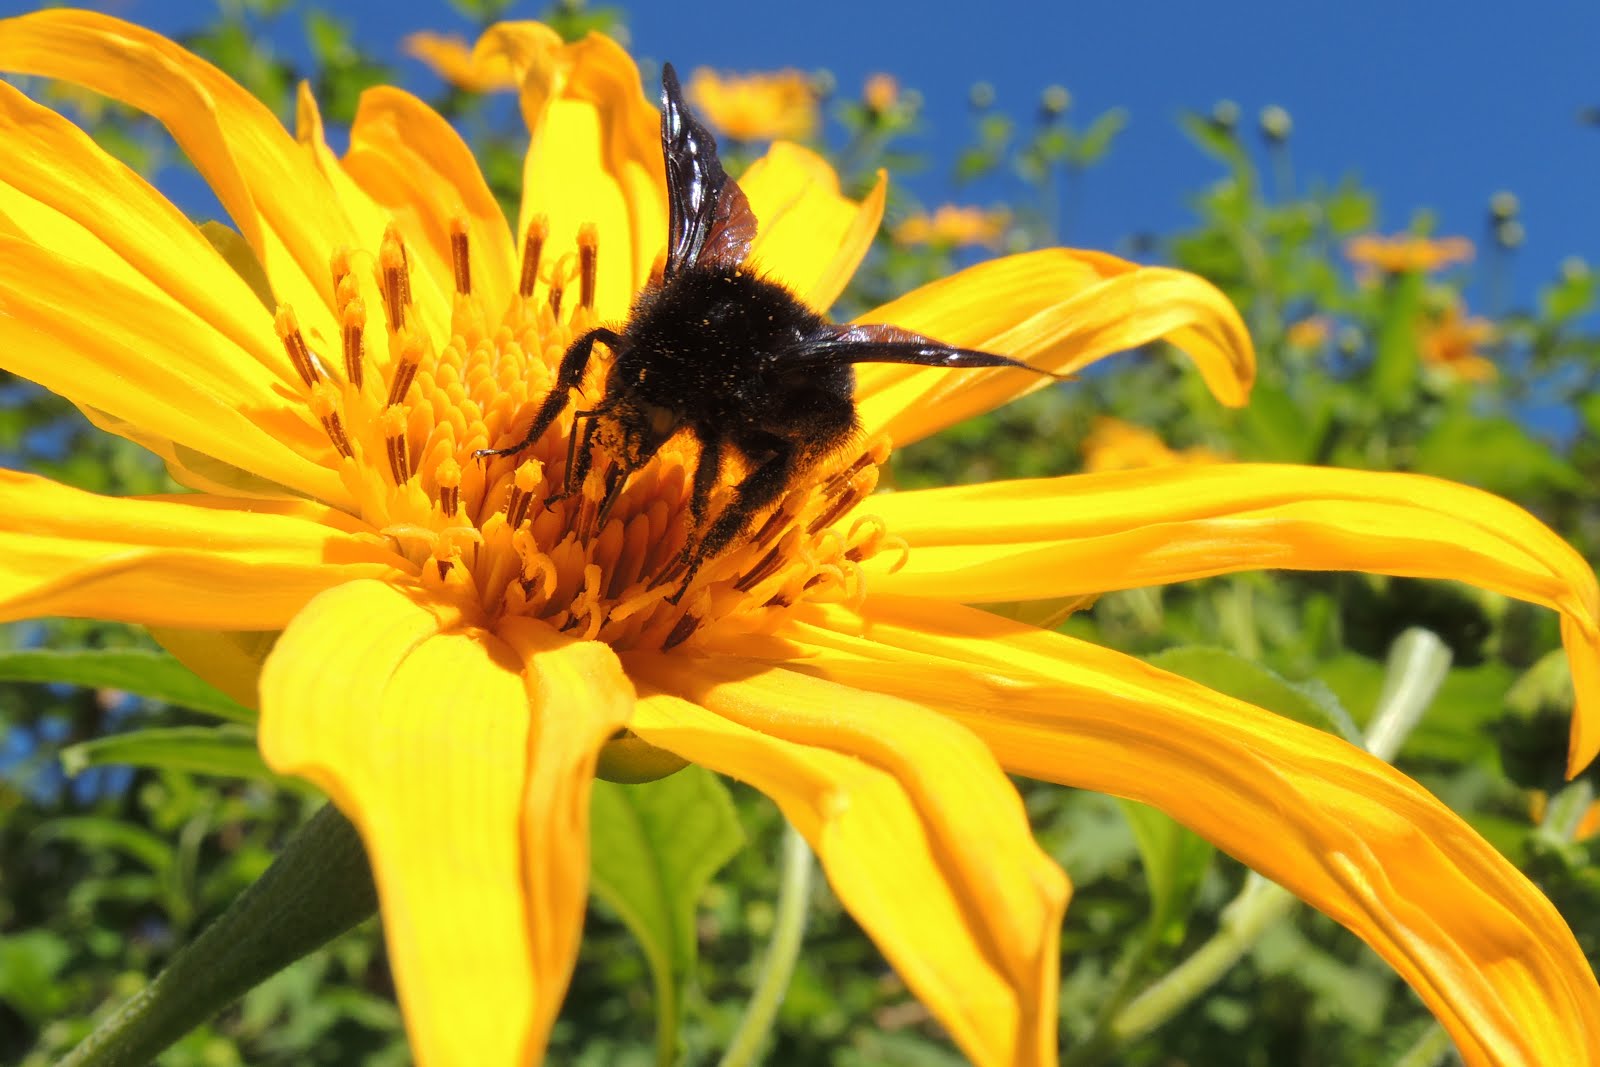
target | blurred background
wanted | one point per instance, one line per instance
(1401, 202)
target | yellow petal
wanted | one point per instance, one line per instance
(810, 237)
(155, 366)
(1027, 540)
(62, 191)
(230, 660)
(412, 162)
(1058, 309)
(190, 561)
(594, 156)
(268, 184)
(1344, 831)
(922, 836)
(421, 736)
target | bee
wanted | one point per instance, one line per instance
(715, 350)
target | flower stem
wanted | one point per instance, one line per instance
(789, 926)
(1428, 1049)
(319, 887)
(1418, 662)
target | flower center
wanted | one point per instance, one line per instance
(409, 402)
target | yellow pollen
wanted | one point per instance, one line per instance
(589, 263)
(294, 344)
(405, 369)
(394, 278)
(354, 320)
(532, 249)
(448, 476)
(459, 263)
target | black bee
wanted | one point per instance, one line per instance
(715, 350)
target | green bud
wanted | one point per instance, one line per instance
(1276, 125)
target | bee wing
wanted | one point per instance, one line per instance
(708, 218)
(836, 345)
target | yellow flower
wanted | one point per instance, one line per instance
(453, 656)
(454, 60)
(1450, 344)
(1115, 445)
(880, 93)
(953, 226)
(756, 107)
(1407, 252)
(1310, 332)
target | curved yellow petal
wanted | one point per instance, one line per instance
(411, 161)
(594, 156)
(1091, 533)
(921, 834)
(1344, 831)
(268, 184)
(190, 561)
(810, 237)
(62, 191)
(152, 364)
(421, 736)
(230, 660)
(1058, 309)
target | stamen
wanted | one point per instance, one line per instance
(294, 344)
(405, 369)
(325, 406)
(523, 485)
(339, 265)
(448, 475)
(354, 318)
(532, 249)
(589, 263)
(393, 424)
(680, 633)
(394, 277)
(458, 256)
(559, 277)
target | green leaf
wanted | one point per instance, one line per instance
(227, 751)
(653, 849)
(1393, 377)
(155, 675)
(30, 963)
(1175, 860)
(1313, 704)
(1492, 453)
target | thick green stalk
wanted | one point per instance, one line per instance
(789, 926)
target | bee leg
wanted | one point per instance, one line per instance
(761, 487)
(578, 456)
(568, 375)
(705, 478)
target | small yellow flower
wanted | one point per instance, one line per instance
(1308, 333)
(1407, 253)
(756, 107)
(954, 226)
(449, 657)
(452, 59)
(1451, 343)
(1115, 445)
(881, 93)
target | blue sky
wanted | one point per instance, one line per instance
(1435, 106)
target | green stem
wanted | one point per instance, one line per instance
(1428, 1049)
(789, 926)
(319, 887)
(1418, 662)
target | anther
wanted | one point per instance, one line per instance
(405, 369)
(588, 263)
(458, 256)
(760, 572)
(680, 633)
(325, 405)
(294, 344)
(354, 320)
(393, 424)
(532, 249)
(448, 475)
(394, 277)
(845, 501)
(339, 266)
(523, 483)
(559, 277)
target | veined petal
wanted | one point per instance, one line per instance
(594, 156)
(420, 732)
(1344, 831)
(267, 184)
(1058, 309)
(810, 237)
(412, 162)
(154, 365)
(580, 698)
(189, 561)
(892, 797)
(1090, 533)
(62, 191)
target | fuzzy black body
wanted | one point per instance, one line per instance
(716, 351)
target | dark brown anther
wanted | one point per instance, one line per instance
(760, 572)
(399, 458)
(680, 633)
(294, 345)
(532, 249)
(459, 262)
(588, 263)
(844, 503)
(444, 567)
(449, 499)
(354, 324)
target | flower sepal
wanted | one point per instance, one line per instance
(629, 759)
